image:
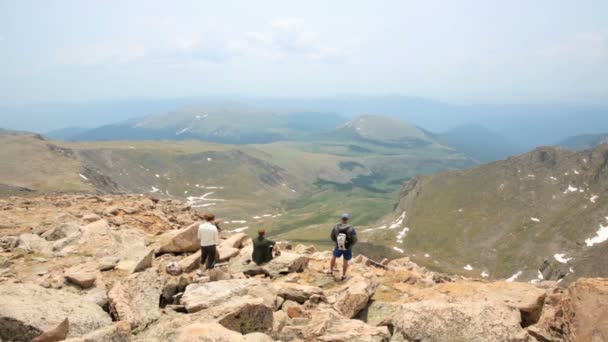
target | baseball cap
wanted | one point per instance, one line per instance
(345, 216)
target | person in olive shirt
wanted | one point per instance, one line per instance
(262, 248)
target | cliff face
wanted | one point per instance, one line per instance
(122, 268)
(544, 211)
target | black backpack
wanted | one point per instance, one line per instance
(343, 238)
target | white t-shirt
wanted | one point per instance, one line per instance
(207, 234)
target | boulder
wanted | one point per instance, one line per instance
(524, 297)
(27, 310)
(199, 297)
(296, 292)
(352, 297)
(353, 330)
(180, 241)
(557, 320)
(92, 217)
(208, 332)
(376, 312)
(32, 243)
(286, 263)
(431, 320)
(117, 332)
(62, 231)
(589, 302)
(191, 262)
(108, 263)
(235, 241)
(59, 333)
(136, 299)
(327, 325)
(82, 279)
(244, 314)
(303, 249)
(227, 253)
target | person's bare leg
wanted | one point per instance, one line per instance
(344, 268)
(332, 264)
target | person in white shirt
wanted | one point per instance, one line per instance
(208, 237)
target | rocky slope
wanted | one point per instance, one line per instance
(584, 142)
(121, 268)
(541, 215)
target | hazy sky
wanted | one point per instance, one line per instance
(458, 51)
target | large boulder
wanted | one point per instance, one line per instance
(431, 320)
(199, 297)
(589, 302)
(180, 241)
(136, 299)
(27, 310)
(286, 263)
(352, 297)
(117, 332)
(239, 314)
(61, 231)
(235, 241)
(526, 298)
(32, 243)
(191, 262)
(296, 292)
(327, 325)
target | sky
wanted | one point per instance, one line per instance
(466, 51)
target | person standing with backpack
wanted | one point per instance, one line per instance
(345, 237)
(209, 237)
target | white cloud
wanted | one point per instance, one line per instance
(288, 38)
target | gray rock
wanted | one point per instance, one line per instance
(136, 299)
(467, 321)
(27, 310)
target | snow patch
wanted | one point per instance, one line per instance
(468, 267)
(239, 230)
(157, 175)
(238, 221)
(534, 219)
(600, 236)
(570, 189)
(257, 217)
(484, 274)
(372, 229)
(182, 131)
(553, 178)
(402, 233)
(83, 176)
(398, 249)
(155, 190)
(209, 159)
(427, 255)
(514, 277)
(576, 172)
(203, 205)
(460, 210)
(561, 257)
(593, 198)
(540, 275)
(398, 222)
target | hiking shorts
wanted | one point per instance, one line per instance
(208, 254)
(347, 254)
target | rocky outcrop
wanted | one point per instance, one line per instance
(431, 320)
(296, 292)
(27, 310)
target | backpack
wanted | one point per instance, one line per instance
(343, 239)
